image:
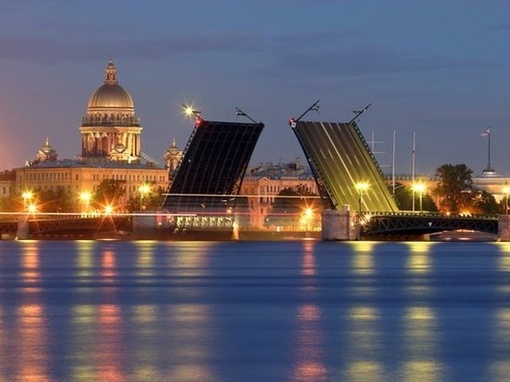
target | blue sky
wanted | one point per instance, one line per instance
(439, 69)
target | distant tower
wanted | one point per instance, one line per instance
(172, 157)
(46, 153)
(110, 129)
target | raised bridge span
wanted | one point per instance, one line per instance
(341, 160)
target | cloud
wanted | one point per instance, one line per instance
(500, 27)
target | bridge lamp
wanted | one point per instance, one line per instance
(506, 191)
(27, 196)
(32, 208)
(307, 217)
(85, 198)
(108, 209)
(144, 190)
(420, 189)
(361, 187)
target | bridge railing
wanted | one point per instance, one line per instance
(424, 214)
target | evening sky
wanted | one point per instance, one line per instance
(438, 70)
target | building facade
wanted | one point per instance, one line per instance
(110, 149)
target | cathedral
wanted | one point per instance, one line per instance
(110, 129)
(111, 148)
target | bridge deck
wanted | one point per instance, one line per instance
(340, 158)
(420, 224)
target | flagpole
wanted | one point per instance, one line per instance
(487, 133)
(489, 168)
(414, 164)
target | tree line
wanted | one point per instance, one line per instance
(454, 193)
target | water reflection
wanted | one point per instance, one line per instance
(32, 341)
(363, 345)
(363, 258)
(309, 345)
(308, 364)
(145, 258)
(85, 260)
(30, 264)
(419, 256)
(421, 345)
(500, 368)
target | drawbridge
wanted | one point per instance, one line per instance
(204, 190)
(341, 160)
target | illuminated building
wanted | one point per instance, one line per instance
(110, 149)
(264, 182)
(110, 129)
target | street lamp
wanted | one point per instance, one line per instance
(420, 189)
(144, 189)
(361, 187)
(307, 218)
(27, 196)
(506, 191)
(85, 198)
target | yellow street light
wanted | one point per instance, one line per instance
(189, 111)
(420, 189)
(27, 197)
(108, 209)
(32, 208)
(144, 189)
(361, 187)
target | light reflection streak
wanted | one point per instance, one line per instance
(419, 256)
(189, 258)
(108, 272)
(31, 273)
(363, 258)
(308, 266)
(110, 344)
(421, 346)
(500, 367)
(145, 259)
(363, 345)
(85, 260)
(192, 321)
(308, 365)
(504, 259)
(33, 342)
(84, 321)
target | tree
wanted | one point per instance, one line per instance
(109, 191)
(485, 203)
(404, 199)
(290, 204)
(454, 188)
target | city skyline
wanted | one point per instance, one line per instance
(437, 71)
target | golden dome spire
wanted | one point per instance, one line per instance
(111, 73)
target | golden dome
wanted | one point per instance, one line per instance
(110, 96)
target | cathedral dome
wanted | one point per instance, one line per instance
(110, 96)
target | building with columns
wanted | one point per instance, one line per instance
(110, 129)
(111, 148)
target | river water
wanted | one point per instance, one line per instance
(254, 311)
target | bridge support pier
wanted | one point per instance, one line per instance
(337, 224)
(23, 228)
(504, 227)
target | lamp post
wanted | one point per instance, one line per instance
(85, 197)
(360, 187)
(420, 189)
(27, 196)
(144, 190)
